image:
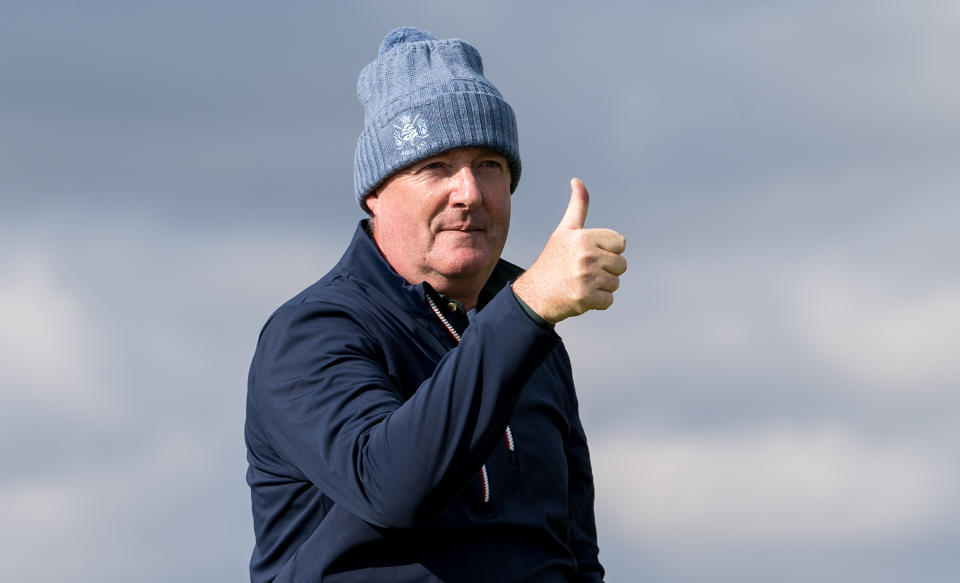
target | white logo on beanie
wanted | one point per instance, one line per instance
(410, 133)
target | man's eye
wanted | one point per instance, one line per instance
(433, 166)
(492, 164)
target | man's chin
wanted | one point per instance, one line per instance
(465, 264)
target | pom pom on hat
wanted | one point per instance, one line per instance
(404, 34)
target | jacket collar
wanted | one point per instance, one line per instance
(364, 263)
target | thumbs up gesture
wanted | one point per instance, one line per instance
(578, 269)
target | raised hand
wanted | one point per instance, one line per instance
(578, 269)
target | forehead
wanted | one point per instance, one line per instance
(455, 156)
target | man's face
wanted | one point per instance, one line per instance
(445, 219)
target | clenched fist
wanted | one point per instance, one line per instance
(578, 269)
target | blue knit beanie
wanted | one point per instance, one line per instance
(422, 96)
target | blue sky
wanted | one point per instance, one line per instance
(773, 396)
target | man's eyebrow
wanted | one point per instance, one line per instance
(422, 163)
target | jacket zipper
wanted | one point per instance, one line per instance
(508, 433)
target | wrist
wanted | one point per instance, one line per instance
(530, 296)
(537, 318)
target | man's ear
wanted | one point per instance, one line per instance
(371, 201)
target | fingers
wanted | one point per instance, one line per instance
(600, 300)
(608, 240)
(607, 282)
(615, 264)
(606, 275)
(576, 215)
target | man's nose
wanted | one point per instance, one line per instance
(466, 190)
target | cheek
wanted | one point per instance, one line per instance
(500, 202)
(395, 213)
(500, 211)
(410, 226)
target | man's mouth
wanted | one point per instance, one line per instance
(463, 228)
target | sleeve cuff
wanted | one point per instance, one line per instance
(533, 315)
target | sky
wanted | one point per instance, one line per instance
(774, 394)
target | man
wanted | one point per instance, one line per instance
(411, 417)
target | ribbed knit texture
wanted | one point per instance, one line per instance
(423, 96)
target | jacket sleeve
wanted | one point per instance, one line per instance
(327, 404)
(583, 528)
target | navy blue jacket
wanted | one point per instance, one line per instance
(381, 449)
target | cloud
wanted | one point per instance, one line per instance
(152, 516)
(878, 337)
(48, 341)
(770, 487)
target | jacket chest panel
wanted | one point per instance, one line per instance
(412, 353)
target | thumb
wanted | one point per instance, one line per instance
(576, 214)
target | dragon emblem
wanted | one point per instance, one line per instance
(409, 129)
